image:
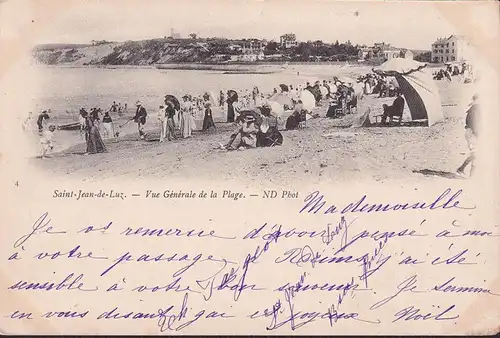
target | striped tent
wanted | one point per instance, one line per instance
(417, 86)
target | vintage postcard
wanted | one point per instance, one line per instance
(249, 167)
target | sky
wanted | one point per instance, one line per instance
(403, 24)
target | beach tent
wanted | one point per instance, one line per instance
(417, 86)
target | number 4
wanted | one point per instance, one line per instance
(16, 184)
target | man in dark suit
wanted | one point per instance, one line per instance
(140, 119)
(395, 110)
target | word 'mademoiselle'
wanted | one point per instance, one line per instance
(315, 203)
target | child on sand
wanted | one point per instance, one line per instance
(46, 140)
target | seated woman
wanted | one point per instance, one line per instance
(268, 134)
(245, 136)
(334, 107)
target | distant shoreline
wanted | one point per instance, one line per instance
(240, 67)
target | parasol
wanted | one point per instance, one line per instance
(276, 108)
(253, 112)
(284, 87)
(173, 99)
(308, 100)
(233, 95)
(282, 99)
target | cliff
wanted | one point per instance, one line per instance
(140, 53)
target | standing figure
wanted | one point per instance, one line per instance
(162, 121)
(230, 108)
(93, 137)
(120, 109)
(27, 122)
(170, 114)
(46, 141)
(221, 99)
(208, 121)
(41, 121)
(471, 132)
(107, 123)
(140, 119)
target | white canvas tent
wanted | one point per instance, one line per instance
(417, 86)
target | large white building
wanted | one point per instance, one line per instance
(454, 48)
(288, 41)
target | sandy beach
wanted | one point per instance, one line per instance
(376, 153)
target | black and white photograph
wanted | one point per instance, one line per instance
(257, 92)
(249, 167)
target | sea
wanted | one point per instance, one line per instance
(65, 90)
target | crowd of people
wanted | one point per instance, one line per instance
(463, 72)
(254, 114)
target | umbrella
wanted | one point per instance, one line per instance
(233, 95)
(282, 99)
(276, 108)
(284, 87)
(174, 100)
(308, 100)
(253, 112)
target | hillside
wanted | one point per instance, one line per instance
(146, 52)
(168, 50)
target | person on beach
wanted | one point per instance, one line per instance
(113, 107)
(107, 123)
(299, 115)
(208, 120)
(120, 109)
(230, 108)
(27, 122)
(268, 134)
(140, 119)
(471, 132)
(185, 118)
(41, 121)
(396, 109)
(255, 95)
(221, 99)
(94, 112)
(245, 136)
(170, 114)
(162, 122)
(46, 141)
(93, 137)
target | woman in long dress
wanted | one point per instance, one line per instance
(93, 137)
(208, 120)
(185, 118)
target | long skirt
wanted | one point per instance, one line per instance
(187, 125)
(208, 122)
(230, 112)
(170, 129)
(94, 141)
